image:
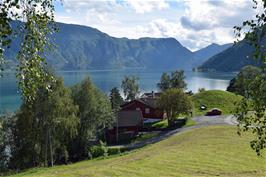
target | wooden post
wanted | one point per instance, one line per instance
(117, 129)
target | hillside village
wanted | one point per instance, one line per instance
(159, 108)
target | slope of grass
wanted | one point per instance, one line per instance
(215, 99)
(209, 151)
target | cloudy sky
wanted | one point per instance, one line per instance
(195, 23)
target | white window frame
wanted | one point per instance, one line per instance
(147, 111)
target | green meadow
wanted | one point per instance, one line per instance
(208, 151)
(215, 99)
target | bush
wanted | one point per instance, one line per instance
(113, 151)
(116, 150)
(99, 150)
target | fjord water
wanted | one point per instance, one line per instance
(107, 79)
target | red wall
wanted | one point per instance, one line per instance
(154, 113)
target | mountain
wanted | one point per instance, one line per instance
(204, 54)
(80, 47)
(232, 59)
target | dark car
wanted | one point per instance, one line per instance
(214, 112)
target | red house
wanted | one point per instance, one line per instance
(148, 107)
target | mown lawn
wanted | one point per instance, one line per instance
(215, 99)
(209, 151)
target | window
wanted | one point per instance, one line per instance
(147, 110)
(138, 109)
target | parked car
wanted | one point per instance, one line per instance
(214, 112)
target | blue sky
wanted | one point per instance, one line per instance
(195, 23)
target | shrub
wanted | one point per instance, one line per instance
(113, 151)
(99, 150)
(116, 150)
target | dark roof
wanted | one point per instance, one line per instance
(129, 118)
(151, 95)
(150, 102)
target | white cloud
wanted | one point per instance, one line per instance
(200, 15)
(195, 23)
(142, 6)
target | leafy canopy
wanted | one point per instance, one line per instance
(240, 84)
(130, 87)
(251, 111)
(95, 114)
(38, 18)
(174, 102)
(175, 80)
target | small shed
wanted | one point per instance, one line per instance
(127, 125)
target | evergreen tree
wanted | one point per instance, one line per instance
(165, 82)
(116, 99)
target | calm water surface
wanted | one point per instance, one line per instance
(105, 80)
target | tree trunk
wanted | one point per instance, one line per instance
(46, 148)
(170, 118)
(51, 149)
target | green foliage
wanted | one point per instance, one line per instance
(251, 112)
(254, 31)
(95, 114)
(3, 155)
(130, 87)
(160, 124)
(48, 125)
(215, 99)
(176, 80)
(5, 27)
(241, 83)
(38, 16)
(31, 73)
(114, 150)
(174, 102)
(116, 99)
(165, 82)
(146, 136)
(201, 90)
(99, 150)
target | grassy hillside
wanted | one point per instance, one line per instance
(209, 151)
(215, 99)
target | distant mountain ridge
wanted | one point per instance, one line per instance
(205, 53)
(81, 47)
(232, 59)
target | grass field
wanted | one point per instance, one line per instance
(209, 151)
(215, 99)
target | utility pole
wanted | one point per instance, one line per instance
(117, 128)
